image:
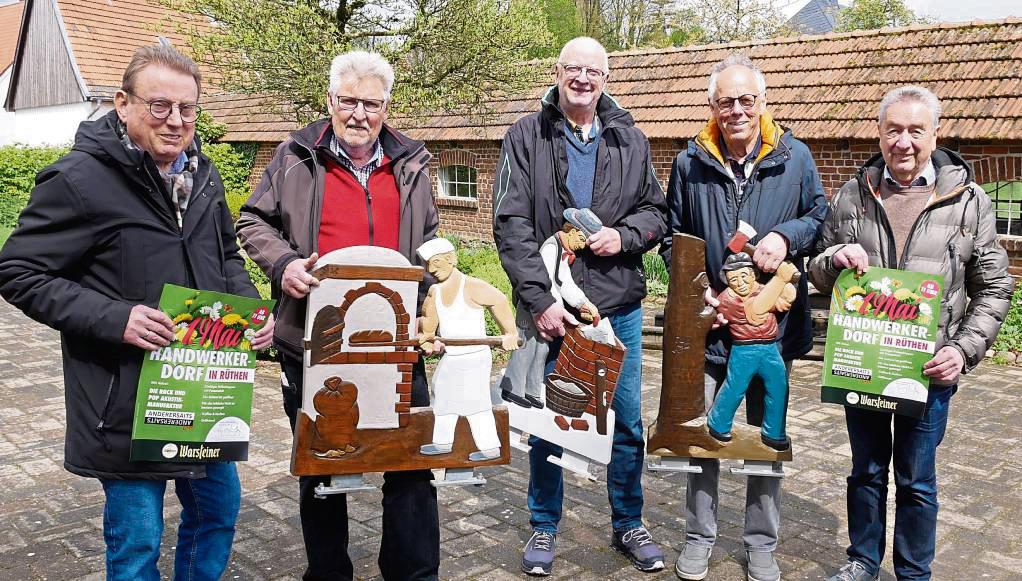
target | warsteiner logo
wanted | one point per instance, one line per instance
(852, 398)
(169, 450)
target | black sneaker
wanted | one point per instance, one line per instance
(538, 555)
(535, 401)
(637, 544)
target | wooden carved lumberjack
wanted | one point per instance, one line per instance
(680, 428)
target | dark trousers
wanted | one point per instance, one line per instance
(410, 547)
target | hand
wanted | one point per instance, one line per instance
(711, 299)
(430, 345)
(589, 313)
(148, 328)
(770, 252)
(606, 242)
(851, 256)
(946, 365)
(550, 323)
(296, 281)
(509, 341)
(264, 337)
(786, 271)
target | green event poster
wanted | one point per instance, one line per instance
(194, 401)
(882, 329)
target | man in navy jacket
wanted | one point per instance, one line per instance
(743, 166)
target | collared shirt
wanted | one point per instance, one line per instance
(926, 178)
(739, 170)
(576, 130)
(361, 173)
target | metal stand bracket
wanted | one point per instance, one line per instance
(760, 468)
(516, 441)
(674, 464)
(343, 484)
(460, 477)
(574, 462)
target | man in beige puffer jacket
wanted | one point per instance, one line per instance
(914, 207)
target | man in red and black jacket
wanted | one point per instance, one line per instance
(347, 180)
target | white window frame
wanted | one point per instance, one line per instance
(450, 188)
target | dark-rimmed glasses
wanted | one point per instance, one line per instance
(162, 108)
(747, 102)
(574, 71)
(346, 103)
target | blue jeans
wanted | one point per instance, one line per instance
(133, 525)
(914, 449)
(743, 363)
(624, 474)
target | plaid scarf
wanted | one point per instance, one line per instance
(178, 179)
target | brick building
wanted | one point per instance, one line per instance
(825, 88)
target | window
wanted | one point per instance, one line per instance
(458, 181)
(1007, 198)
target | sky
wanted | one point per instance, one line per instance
(943, 10)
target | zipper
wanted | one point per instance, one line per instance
(369, 212)
(101, 426)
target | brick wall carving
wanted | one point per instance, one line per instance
(577, 360)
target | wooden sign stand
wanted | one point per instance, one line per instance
(680, 432)
(356, 414)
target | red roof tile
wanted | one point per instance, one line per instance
(10, 22)
(823, 87)
(105, 33)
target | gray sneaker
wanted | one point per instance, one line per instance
(637, 544)
(762, 566)
(538, 557)
(693, 562)
(853, 571)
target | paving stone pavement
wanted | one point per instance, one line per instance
(51, 520)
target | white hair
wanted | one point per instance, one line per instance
(739, 60)
(359, 64)
(584, 43)
(911, 93)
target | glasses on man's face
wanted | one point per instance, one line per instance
(346, 103)
(574, 71)
(162, 108)
(747, 102)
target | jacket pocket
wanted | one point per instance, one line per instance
(133, 265)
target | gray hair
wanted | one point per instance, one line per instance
(740, 60)
(159, 55)
(359, 64)
(911, 93)
(585, 42)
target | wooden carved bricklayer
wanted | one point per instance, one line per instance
(577, 358)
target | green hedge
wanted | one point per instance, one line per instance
(20, 164)
(18, 168)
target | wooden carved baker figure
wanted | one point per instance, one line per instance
(749, 308)
(454, 307)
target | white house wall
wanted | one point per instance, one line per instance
(53, 125)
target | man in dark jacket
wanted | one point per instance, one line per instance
(347, 180)
(743, 166)
(133, 206)
(582, 150)
(914, 207)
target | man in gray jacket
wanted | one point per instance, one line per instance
(913, 207)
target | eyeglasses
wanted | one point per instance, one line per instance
(162, 108)
(346, 103)
(727, 103)
(574, 71)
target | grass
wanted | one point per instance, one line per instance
(5, 232)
